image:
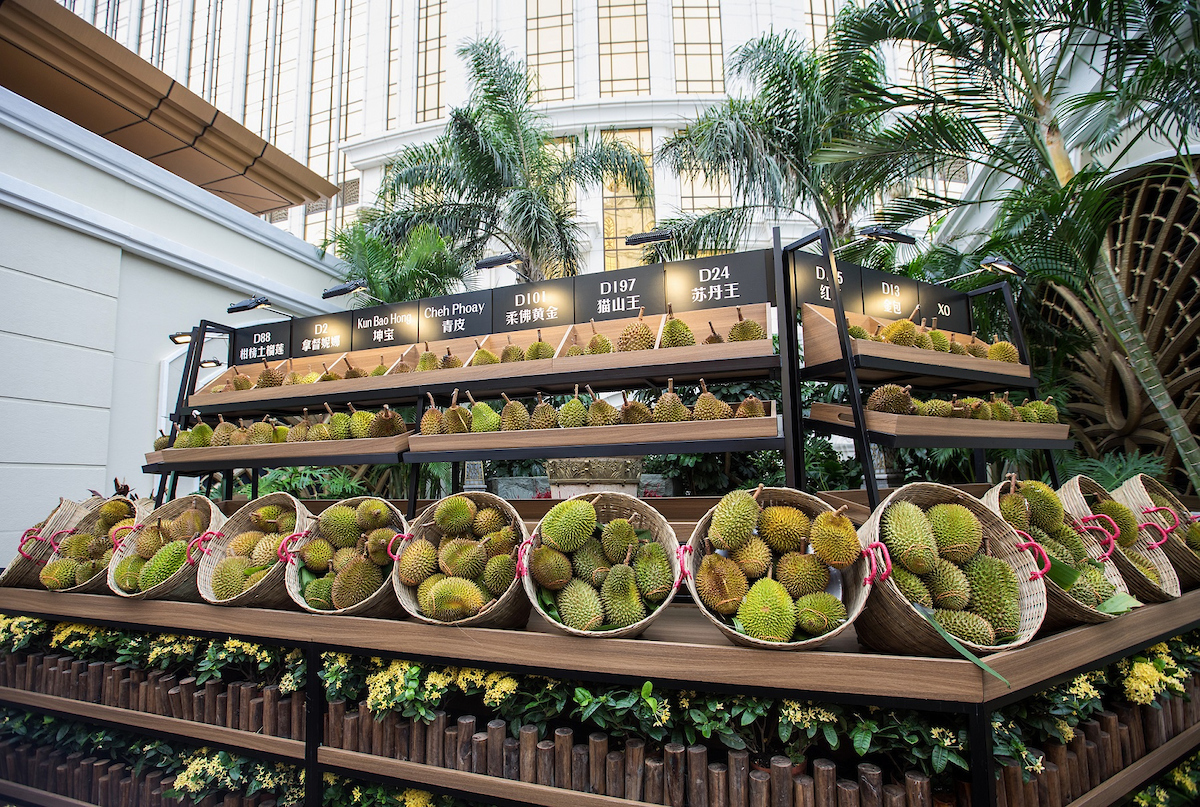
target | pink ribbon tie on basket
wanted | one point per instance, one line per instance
(522, 551)
(881, 571)
(1110, 532)
(285, 554)
(31, 534)
(1035, 548)
(119, 540)
(682, 552)
(404, 537)
(1163, 531)
(54, 538)
(201, 543)
(1174, 516)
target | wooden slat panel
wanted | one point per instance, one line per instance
(31, 795)
(275, 453)
(1114, 789)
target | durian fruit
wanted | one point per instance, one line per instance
(912, 587)
(939, 340)
(483, 356)
(354, 372)
(387, 423)
(783, 528)
(1099, 583)
(902, 332)
(734, 519)
(834, 539)
(458, 418)
(284, 523)
(115, 510)
(319, 594)
(338, 424)
(977, 408)
(1126, 521)
(568, 524)
(539, 349)
(634, 412)
(966, 626)
(433, 422)
(372, 514)
(1014, 508)
(280, 433)
(713, 337)
(977, 348)
(360, 422)
(601, 412)
(126, 573)
(891, 398)
(449, 361)
(1002, 409)
(417, 562)
(1003, 351)
(299, 432)
(1042, 411)
(87, 570)
(243, 543)
(579, 606)
(355, 582)
(1006, 624)
(721, 584)
(574, 349)
(311, 377)
(598, 343)
(229, 577)
(653, 572)
(77, 546)
(201, 434)
(767, 612)
(920, 407)
(1045, 508)
(669, 408)
(924, 341)
(995, 590)
(487, 521)
(240, 380)
(819, 613)
(483, 417)
(423, 598)
(220, 435)
(454, 598)
(754, 557)
(590, 563)
(938, 408)
(620, 597)
(339, 525)
(948, 586)
(188, 524)
(183, 439)
(906, 532)
(511, 353)
(501, 542)
(262, 432)
(150, 539)
(380, 369)
(956, 531)
(617, 538)
(317, 432)
(878, 335)
(857, 332)
(499, 574)
(550, 568)
(165, 563)
(454, 515)
(956, 347)
(316, 555)
(328, 375)
(544, 415)
(293, 376)
(745, 330)
(636, 336)
(59, 574)
(342, 557)
(266, 552)
(428, 360)
(514, 416)
(709, 406)
(802, 574)
(751, 407)
(676, 332)
(573, 414)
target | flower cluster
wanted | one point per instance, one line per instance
(20, 632)
(1180, 787)
(170, 651)
(340, 791)
(1146, 676)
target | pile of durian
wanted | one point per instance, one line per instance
(897, 400)
(347, 559)
(1191, 533)
(766, 570)
(276, 376)
(906, 333)
(160, 550)
(514, 416)
(472, 565)
(251, 554)
(938, 561)
(354, 423)
(83, 555)
(675, 333)
(596, 577)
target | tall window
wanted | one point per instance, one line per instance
(550, 48)
(623, 215)
(395, 71)
(699, 67)
(624, 48)
(431, 51)
(820, 17)
(696, 195)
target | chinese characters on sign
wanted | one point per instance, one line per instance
(619, 295)
(888, 296)
(455, 316)
(316, 336)
(717, 282)
(258, 342)
(385, 326)
(533, 305)
(814, 282)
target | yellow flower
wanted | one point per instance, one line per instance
(1083, 688)
(497, 691)
(416, 798)
(468, 677)
(1065, 729)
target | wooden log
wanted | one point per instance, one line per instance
(739, 778)
(1177, 715)
(635, 766)
(1073, 773)
(781, 781)
(697, 776)
(579, 768)
(248, 692)
(496, 731)
(417, 732)
(675, 781)
(1164, 706)
(1078, 745)
(384, 741)
(1110, 725)
(597, 752)
(718, 784)
(804, 792)
(402, 744)
(825, 782)
(366, 732)
(870, 785)
(187, 687)
(123, 693)
(175, 702)
(145, 697)
(1131, 717)
(1104, 746)
(893, 796)
(1048, 781)
(1056, 753)
(380, 731)
(614, 774)
(1093, 758)
(1126, 742)
(545, 763)
(349, 729)
(298, 712)
(1091, 732)
(233, 705)
(564, 739)
(466, 730)
(435, 738)
(760, 789)
(95, 680)
(528, 736)
(512, 758)
(450, 747)
(221, 710)
(918, 789)
(256, 714)
(335, 735)
(211, 690)
(653, 791)
(1154, 726)
(847, 793)
(479, 752)
(1029, 794)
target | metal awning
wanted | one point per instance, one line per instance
(55, 59)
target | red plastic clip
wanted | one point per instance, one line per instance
(404, 537)
(54, 538)
(1174, 516)
(1033, 545)
(876, 574)
(285, 554)
(1162, 531)
(680, 553)
(201, 543)
(522, 551)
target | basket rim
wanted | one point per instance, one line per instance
(216, 548)
(91, 519)
(127, 547)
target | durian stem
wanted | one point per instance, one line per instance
(914, 313)
(327, 409)
(504, 395)
(432, 405)
(454, 399)
(841, 510)
(703, 387)
(670, 312)
(739, 313)
(711, 328)
(641, 312)
(470, 398)
(593, 323)
(757, 491)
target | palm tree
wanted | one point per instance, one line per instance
(498, 174)
(763, 145)
(1005, 99)
(423, 265)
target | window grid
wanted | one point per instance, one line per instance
(698, 195)
(699, 64)
(431, 52)
(550, 48)
(624, 48)
(623, 215)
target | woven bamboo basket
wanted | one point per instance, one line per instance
(271, 590)
(892, 624)
(180, 586)
(509, 610)
(381, 603)
(855, 587)
(34, 549)
(610, 505)
(1140, 586)
(99, 582)
(1135, 494)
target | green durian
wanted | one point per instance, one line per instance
(906, 532)
(802, 574)
(734, 519)
(767, 613)
(568, 524)
(539, 349)
(819, 613)
(418, 561)
(620, 597)
(834, 539)
(455, 515)
(745, 330)
(636, 336)
(573, 414)
(676, 332)
(956, 532)
(721, 584)
(358, 580)
(579, 606)
(785, 529)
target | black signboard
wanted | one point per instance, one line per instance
(619, 294)
(321, 335)
(888, 296)
(739, 278)
(533, 305)
(385, 326)
(813, 282)
(271, 341)
(456, 315)
(951, 308)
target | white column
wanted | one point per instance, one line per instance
(133, 32)
(303, 117)
(587, 50)
(183, 50)
(375, 72)
(241, 61)
(662, 52)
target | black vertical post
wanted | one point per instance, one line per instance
(983, 763)
(456, 479)
(254, 483)
(227, 484)
(208, 483)
(789, 350)
(174, 484)
(980, 457)
(314, 714)
(414, 469)
(162, 491)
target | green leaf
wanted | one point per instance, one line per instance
(953, 642)
(647, 688)
(1062, 574)
(831, 736)
(1119, 603)
(862, 740)
(939, 759)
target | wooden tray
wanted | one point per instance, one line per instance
(821, 346)
(918, 425)
(280, 453)
(730, 429)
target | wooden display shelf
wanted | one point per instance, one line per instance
(469, 785)
(1117, 788)
(317, 452)
(909, 431)
(158, 724)
(32, 795)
